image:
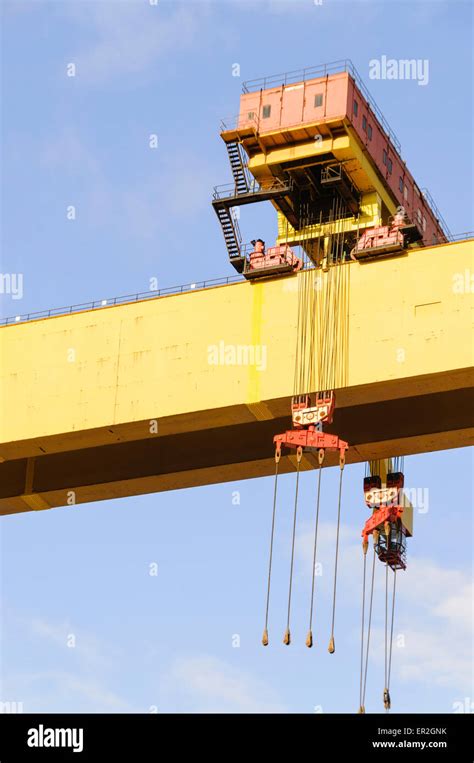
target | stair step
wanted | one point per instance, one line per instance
(225, 216)
(237, 166)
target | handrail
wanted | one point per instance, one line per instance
(435, 210)
(323, 70)
(460, 236)
(235, 223)
(229, 190)
(146, 295)
(235, 121)
(297, 75)
(95, 304)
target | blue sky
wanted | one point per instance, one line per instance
(166, 641)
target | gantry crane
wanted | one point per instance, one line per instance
(316, 146)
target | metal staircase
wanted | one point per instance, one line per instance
(232, 236)
(245, 190)
(238, 167)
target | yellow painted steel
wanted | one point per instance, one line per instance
(220, 357)
(407, 518)
(254, 375)
(260, 162)
(194, 351)
(370, 216)
(345, 148)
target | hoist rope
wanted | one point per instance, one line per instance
(286, 639)
(386, 623)
(331, 647)
(386, 694)
(321, 335)
(309, 641)
(322, 316)
(388, 643)
(391, 629)
(361, 703)
(272, 534)
(368, 630)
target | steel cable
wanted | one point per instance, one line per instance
(272, 534)
(309, 640)
(286, 639)
(368, 630)
(331, 647)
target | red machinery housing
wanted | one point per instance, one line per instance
(307, 422)
(303, 413)
(272, 261)
(386, 522)
(386, 239)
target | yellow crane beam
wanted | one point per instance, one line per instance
(189, 389)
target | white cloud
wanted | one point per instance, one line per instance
(458, 606)
(430, 656)
(434, 610)
(63, 691)
(436, 618)
(326, 545)
(446, 592)
(68, 153)
(177, 189)
(207, 684)
(81, 683)
(86, 647)
(131, 37)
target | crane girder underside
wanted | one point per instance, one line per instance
(226, 453)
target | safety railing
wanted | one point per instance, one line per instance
(246, 249)
(139, 296)
(239, 121)
(229, 190)
(235, 223)
(436, 212)
(460, 236)
(297, 75)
